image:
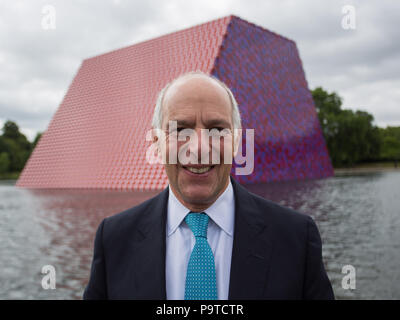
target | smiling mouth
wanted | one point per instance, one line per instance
(199, 170)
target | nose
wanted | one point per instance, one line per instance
(201, 144)
(197, 149)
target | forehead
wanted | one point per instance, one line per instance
(194, 94)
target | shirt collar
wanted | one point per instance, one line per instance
(221, 211)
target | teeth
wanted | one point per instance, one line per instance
(198, 170)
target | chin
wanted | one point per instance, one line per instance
(198, 194)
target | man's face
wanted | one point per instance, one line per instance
(197, 103)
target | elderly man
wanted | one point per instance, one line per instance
(205, 236)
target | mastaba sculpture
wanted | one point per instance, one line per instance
(97, 137)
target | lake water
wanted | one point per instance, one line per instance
(358, 217)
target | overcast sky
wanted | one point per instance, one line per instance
(37, 65)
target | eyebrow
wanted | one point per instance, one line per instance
(209, 124)
(217, 123)
(184, 123)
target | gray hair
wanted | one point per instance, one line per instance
(157, 115)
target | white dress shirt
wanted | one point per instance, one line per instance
(180, 242)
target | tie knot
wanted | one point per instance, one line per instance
(198, 223)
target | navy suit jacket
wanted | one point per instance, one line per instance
(276, 253)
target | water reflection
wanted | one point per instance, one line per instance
(359, 220)
(358, 217)
(54, 227)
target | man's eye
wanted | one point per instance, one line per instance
(218, 128)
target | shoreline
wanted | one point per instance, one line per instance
(357, 170)
(337, 171)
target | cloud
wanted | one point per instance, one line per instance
(38, 65)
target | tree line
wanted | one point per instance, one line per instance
(351, 137)
(15, 150)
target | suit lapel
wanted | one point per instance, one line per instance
(148, 250)
(251, 251)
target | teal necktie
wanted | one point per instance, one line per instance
(201, 283)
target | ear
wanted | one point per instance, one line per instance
(159, 144)
(155, 138)
(156, 143)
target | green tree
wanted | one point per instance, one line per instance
(16, 145)
(11, 130)
(350, 136)
(326, 103)
(3, 146)
(4, 162)
(328, 106)
(16, 155)
(390, 144)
